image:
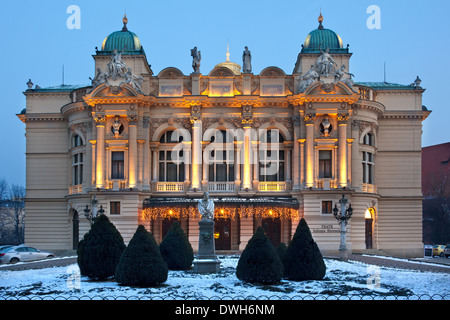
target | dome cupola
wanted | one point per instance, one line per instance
(123, 41)
(322, 38)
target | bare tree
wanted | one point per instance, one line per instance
(3, 189)
(436, 206)
(17, 209)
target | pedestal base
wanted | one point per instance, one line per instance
(206, 265)
(206, 260)
(343, 254)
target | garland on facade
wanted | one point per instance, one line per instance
(222, 211)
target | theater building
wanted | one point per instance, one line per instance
(270, 148)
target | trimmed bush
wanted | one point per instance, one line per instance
(100, 250)
(176, 249)
(141, 264)
(281, 251)
(259, 262)
(303, 260)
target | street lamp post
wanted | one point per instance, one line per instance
(91, 215)
(342, 218)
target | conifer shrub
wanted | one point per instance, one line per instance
(176, 249)
(259, 262)
(281, 251)
(303, 259)
(141, 264)
(99, 252)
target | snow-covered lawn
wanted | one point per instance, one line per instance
(343, 280)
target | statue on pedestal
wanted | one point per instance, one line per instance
(206, 260)
(196, 58)
(325, 63)
(247, 61)
(206, 207)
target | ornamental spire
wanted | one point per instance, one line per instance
(320, 21)
(125, 21)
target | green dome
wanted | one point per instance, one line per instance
(325, 38)
(123, 40)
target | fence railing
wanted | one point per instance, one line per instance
(386, 297)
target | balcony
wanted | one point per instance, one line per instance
(170, 186)
(76, 189)
(221, 186)
(117, 184)
(369, 188)
(326, 184)
(272, 186)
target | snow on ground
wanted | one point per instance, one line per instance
(343, 279)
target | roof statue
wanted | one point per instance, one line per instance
(117, 70)
(339, 76)
(247, 61)
(325, 64)
(196, 58)
(117, 67)
(308, 78)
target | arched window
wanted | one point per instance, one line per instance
(171, 137)
(369, 139)
(221, 157)
(171, 164)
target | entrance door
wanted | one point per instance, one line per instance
(369, 233)
(272, 226)
(167, 224)
(222, 233)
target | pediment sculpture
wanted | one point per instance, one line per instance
(325, 66)
(118, 73)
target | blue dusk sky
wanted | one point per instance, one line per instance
(413, 40)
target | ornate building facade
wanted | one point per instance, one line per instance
(270, 149)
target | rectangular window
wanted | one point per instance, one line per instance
(114, 207)
(117, 165)
(271, 165)
(368, 167)
(171, 170)
(77, 172)
(325, 164)
(327, 207)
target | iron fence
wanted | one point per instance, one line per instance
(318, 297)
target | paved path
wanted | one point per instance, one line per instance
(423, 265)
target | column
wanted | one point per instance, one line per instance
(132, 152)
(205, 166)
(196, 154)
(302, 161)
(342, 149)
(288, 165)
(237, 165)
(187, 162)
(356, 157)
(349, 161)
(296, 155)
(100, 122)
(146, 156)
(255, 165)
(247, 181)
(309, 122)
(154, 163)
